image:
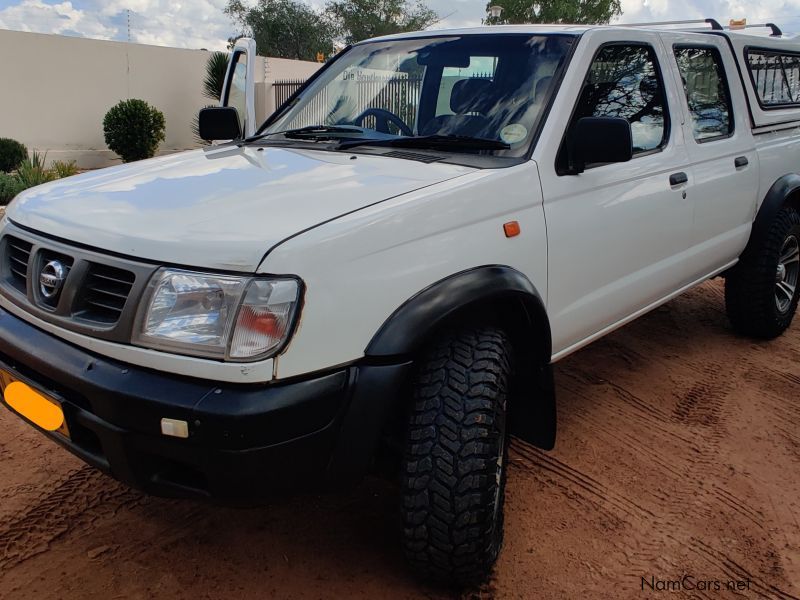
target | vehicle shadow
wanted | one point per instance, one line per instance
(304, 545)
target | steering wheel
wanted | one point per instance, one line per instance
(382, 120)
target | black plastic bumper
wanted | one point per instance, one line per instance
(245, 441)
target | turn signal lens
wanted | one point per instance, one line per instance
(511, 229)
(264, 317)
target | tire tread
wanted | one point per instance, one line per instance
(449, 479)
(749, 288)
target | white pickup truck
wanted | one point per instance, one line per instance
(391, 263)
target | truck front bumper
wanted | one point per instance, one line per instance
(245, 441)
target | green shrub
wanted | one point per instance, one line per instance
(10, 186)
(64, 169)
(12, 153)
(33, 172)
(133, 129)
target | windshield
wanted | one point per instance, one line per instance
(487, 86)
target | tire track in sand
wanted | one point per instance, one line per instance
(697, 423)
(58, 511)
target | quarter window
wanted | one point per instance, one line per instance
(624, 81)
(776, 77)
(706, 91)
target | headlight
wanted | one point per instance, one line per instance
(216, 316)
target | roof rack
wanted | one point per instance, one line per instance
(715, 25)
(713, 22)
(776, 31)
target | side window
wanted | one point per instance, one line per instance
(624, 81)
(776, 77)
(706, 90)
(237, 90)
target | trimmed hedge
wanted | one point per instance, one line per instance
(12, 153)
(133, 129)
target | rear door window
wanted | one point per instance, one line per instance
(706, 89)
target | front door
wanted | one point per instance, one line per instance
(616, 231)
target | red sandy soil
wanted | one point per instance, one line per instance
(678, 454)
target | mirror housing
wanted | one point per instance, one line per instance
(219, 123)
(599, 140)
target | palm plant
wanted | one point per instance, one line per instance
(216, 68)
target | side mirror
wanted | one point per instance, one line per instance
(599, 140)
(220, 123)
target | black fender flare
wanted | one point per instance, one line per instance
(781, 191)
(407, 328)
(406, 331)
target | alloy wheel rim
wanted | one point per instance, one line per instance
(787, 274)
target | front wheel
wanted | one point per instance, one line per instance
(453, 478)
(761, 292)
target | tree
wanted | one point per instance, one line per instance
(554, 11)
(358, 20)
(284, 28)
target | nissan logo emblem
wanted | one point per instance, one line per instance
(51, 279)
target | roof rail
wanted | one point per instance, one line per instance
(776, 31)
(715, 25)
(713, 22)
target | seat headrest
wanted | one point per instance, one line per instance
(468, 94)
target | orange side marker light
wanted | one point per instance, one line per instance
(511, 229)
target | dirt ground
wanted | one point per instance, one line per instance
(678, 460)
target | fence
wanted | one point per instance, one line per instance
(284, 89)
(395, 93)
(399, 95)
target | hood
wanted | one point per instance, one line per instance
(219, 208)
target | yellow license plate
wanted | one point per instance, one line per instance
(38, 408)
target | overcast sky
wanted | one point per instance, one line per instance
(202, 23)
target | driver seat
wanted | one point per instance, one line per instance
(466, 98)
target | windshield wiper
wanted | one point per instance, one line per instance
(434, 142)
(311, 131)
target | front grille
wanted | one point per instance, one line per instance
(45, 256)
(98, 296)
(18, 254)
(104, 294)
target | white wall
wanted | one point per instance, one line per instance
(56, 90)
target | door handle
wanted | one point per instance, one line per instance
(741, 161)
(678, 178)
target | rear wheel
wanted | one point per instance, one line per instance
(453, 476)
(761, 292)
